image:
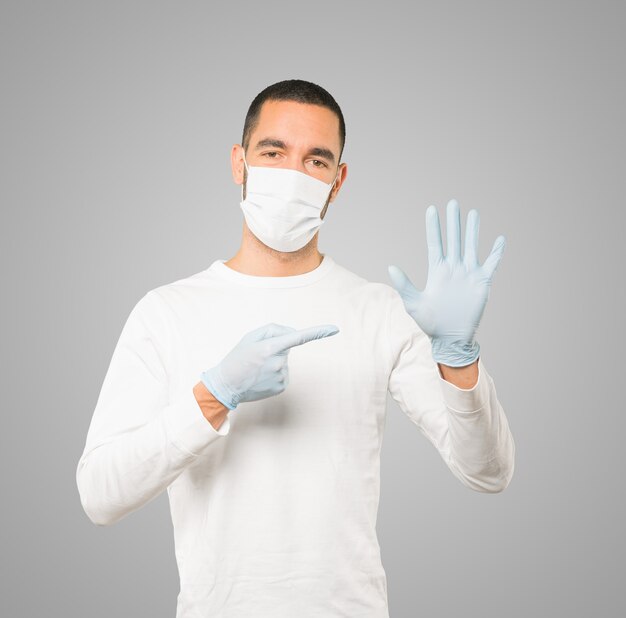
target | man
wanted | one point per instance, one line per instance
(254, 391)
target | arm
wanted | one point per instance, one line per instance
(462, 416)
(139, 441)
(467, 426)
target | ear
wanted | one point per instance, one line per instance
(341, 176)
(236, 163)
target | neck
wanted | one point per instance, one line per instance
(255, 258)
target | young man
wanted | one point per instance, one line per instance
(254, 391)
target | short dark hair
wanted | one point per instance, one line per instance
(292, 90)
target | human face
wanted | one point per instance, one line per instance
(297, 136)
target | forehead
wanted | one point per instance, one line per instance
(298, 124)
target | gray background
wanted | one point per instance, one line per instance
(117, 122)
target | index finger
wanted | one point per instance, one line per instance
(433, 236)
(282, 343)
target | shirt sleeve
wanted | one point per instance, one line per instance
(467, 426)
(139, 441)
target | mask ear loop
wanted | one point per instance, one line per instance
(247, 169)
(332, 185)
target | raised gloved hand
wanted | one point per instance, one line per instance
(449, 309)
(256, 367)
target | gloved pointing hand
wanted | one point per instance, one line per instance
(256, 367)
(451, 306)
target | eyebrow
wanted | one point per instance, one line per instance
(318, 151)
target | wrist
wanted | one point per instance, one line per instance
(212, 408)
(465, 378)
(454, 352)
(212, 379)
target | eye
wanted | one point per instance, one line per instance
(267, 154)
(321, 163)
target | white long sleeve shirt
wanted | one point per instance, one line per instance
(274, 513)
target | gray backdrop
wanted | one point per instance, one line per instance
(117, 123)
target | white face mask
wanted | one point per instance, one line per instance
(282, 206)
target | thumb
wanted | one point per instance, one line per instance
(402, 283)
(492, 261)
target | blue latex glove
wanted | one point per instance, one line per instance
(256, 367)
(451, 306)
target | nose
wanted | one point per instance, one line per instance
(295, 162)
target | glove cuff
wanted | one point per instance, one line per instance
(454, 353)
(212, 379)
